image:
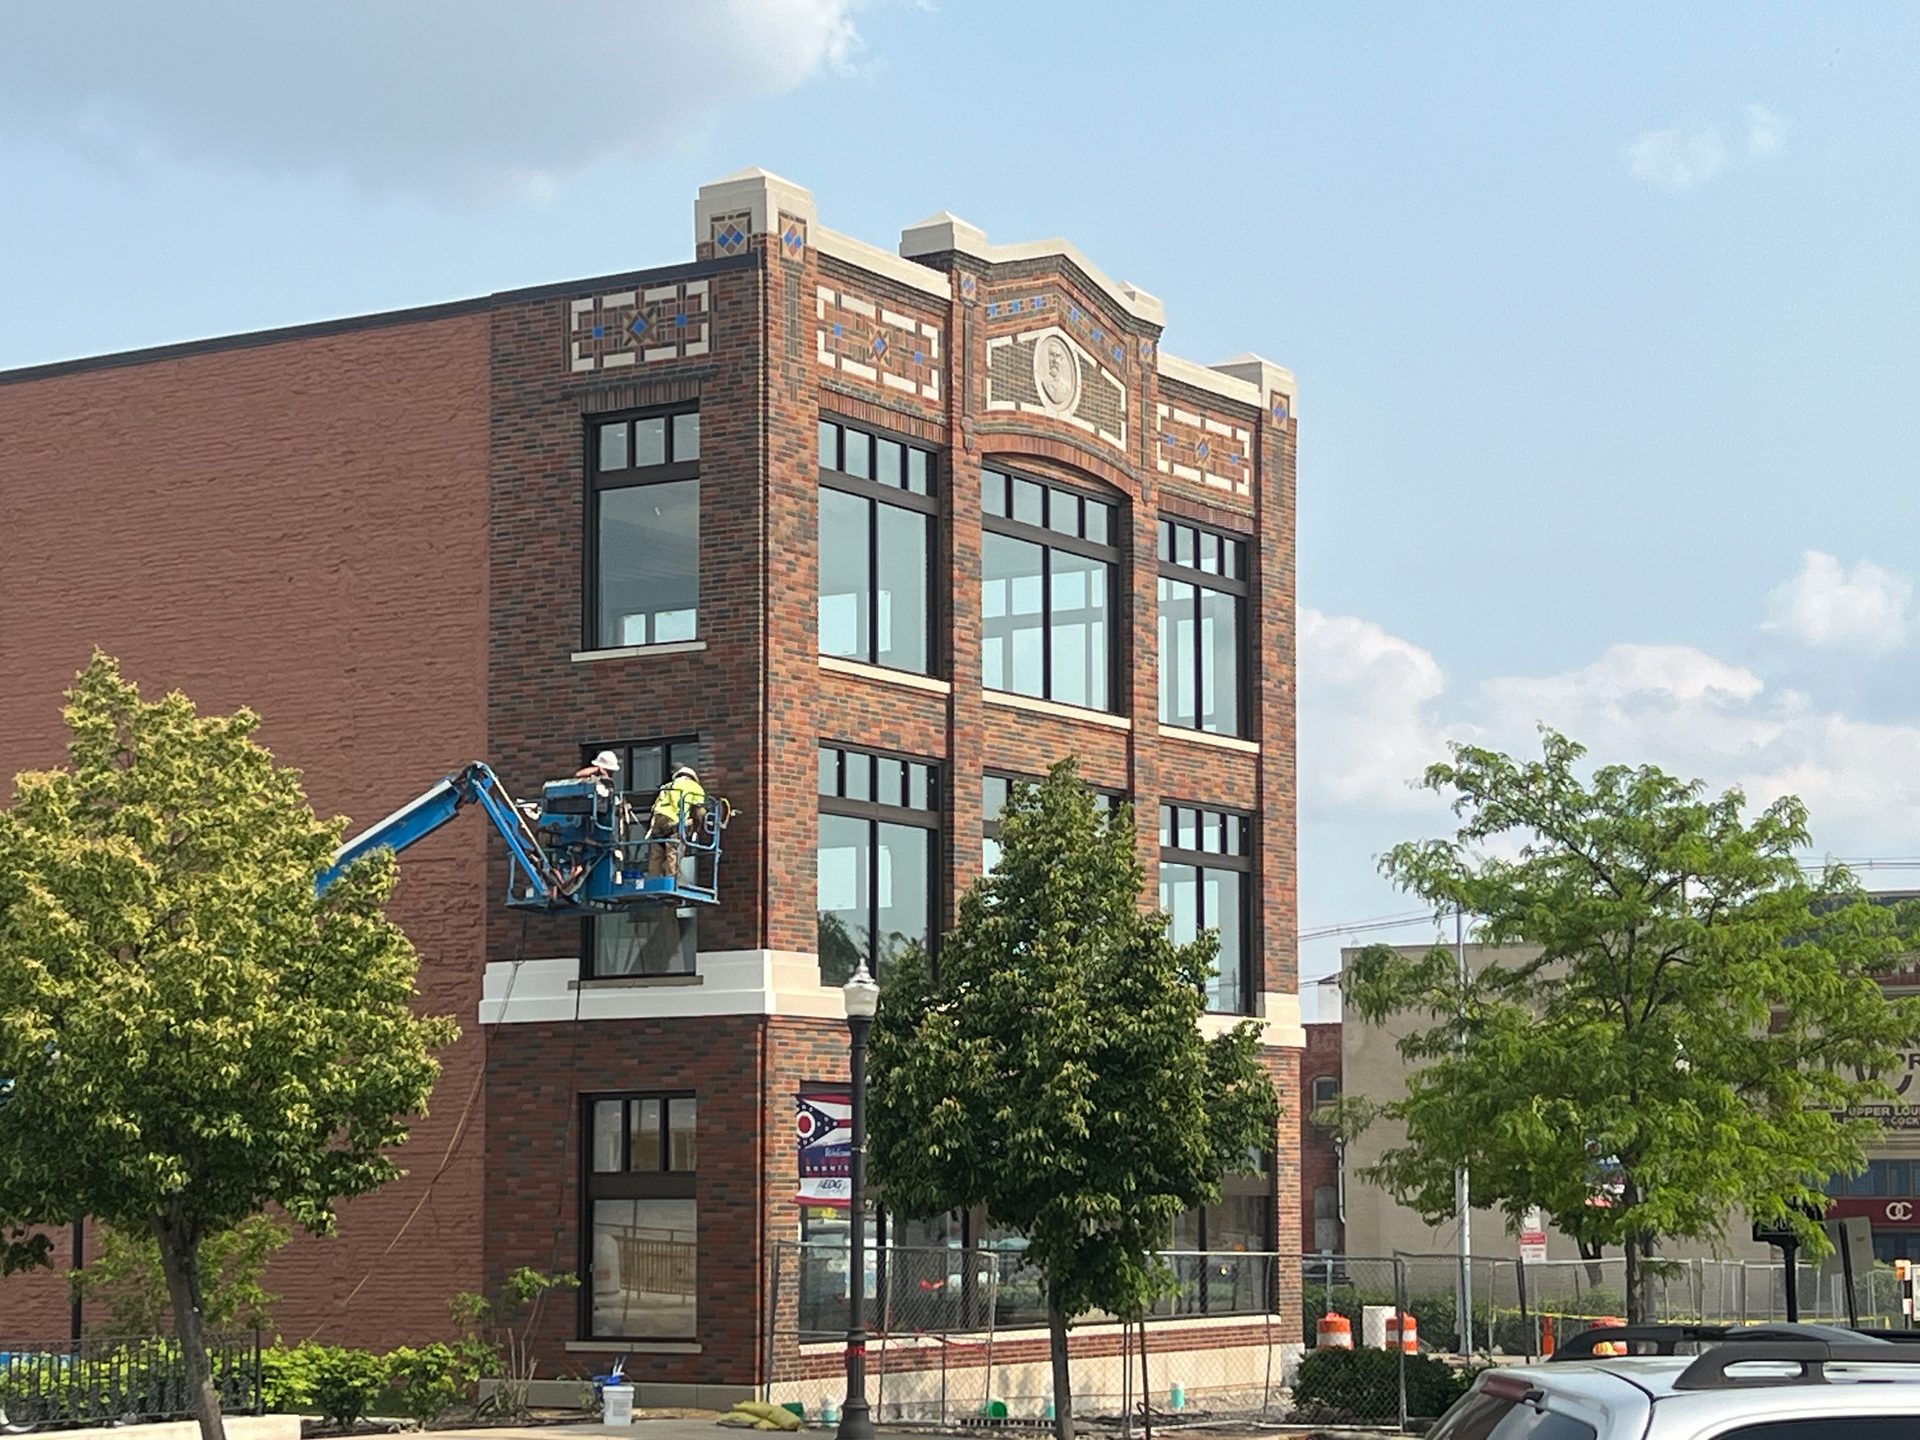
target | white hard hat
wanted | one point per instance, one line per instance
(607, 760)
(688, 771)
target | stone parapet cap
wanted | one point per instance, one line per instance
(945, 232)
(761, 193)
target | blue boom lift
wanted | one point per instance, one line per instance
(581, 849)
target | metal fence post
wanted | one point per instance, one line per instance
(1400, 1350)
(773, 1321)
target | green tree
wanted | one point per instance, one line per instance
(192, 1035)
(127, 1281)
(1684, 1011)
(1054, 1071)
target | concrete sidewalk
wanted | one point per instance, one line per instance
(679, 1427)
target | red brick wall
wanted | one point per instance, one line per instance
(536, 1075)
(1319, 1160)
(296, 526)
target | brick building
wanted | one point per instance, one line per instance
(1322, 1198)
(862, 534)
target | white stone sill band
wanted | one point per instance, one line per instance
(834, 665)
(1051, 707)
(635, 1347)
(635, 652)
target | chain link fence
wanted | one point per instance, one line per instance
(1526, 1310)
(959, 1337)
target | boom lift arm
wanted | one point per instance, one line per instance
(579, 850)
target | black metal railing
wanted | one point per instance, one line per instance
(55, 1384)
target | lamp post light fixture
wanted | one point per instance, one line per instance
(856, 1417)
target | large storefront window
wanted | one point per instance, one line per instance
(877, 510)
(1047, 602)
(879, 821)
(1205, 874)
(642, 1222)
(1203, 589)
(1224, 1259)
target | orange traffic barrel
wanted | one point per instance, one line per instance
(1335, 1332)
(1403, 1333)
(1609, 1322)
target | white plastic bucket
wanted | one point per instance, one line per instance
(616, 1405)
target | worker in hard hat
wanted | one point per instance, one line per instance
(604, 767)
(679, 810)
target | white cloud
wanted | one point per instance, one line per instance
(1677, 160)
(1366, 713)
(1375, 710)
(1766, 132)
(1826, 605)
(441, 98)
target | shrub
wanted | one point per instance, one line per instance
(346, 1383)
(427, 1383)
(1363, 1386)
(286, 1377)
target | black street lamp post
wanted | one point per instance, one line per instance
(856, 1417)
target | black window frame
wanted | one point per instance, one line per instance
(1112, 552)
(1230, 578)
(1235, 852)
(672, 745)
(877, 812)
(876, 492)
(630, 477)
(664, 1183)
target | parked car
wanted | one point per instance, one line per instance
(1680, 1382)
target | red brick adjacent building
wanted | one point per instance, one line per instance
(864, 535)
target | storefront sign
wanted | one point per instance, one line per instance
(1533, 1238)
(823, 1122)
(1895, 1214)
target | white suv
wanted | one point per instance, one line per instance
(1761, 1382)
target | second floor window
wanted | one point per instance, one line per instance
(1047, 598)
(644, 530)
(646, 939)
(994, 791)
(879, 821)
(1205, 884)
(1203, 587)
(877, 511)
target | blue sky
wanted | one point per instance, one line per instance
(1604, 319)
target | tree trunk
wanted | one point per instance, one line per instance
(1636, 1253)
(180, 1259)
(1062, 1375)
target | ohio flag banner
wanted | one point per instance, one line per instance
(823, 1120)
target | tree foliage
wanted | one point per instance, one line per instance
(1683, 1009)
(126, 1286)
(1054, 1071)
(191, 1034)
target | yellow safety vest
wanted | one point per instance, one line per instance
(678, 797)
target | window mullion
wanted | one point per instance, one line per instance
(1046, 622)
(873, 894)
(873, 581)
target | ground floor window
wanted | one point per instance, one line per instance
(1224, 1251)
(642, 1222)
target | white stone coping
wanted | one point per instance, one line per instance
(834, 665)
(943, 232)
(1054, 707)
(633, 652)
(1203, 737)
(761, 193)
(743, 982)
(882, 262)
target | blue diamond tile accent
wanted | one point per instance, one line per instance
(1039, 302)
(1097, 336)
(1168, 440)
(880, 346)
(599, 332)
(679, 322)
(639, 325)
(1201, 449)
(1120, 353)
(993, 309)
(1074, 312)
(919, 358)
(838, 330)
(1017, 306)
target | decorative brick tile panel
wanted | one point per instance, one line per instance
(1048, 372)
(649, 323)
(1203, 449)
(866, 340)
(732, 233)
